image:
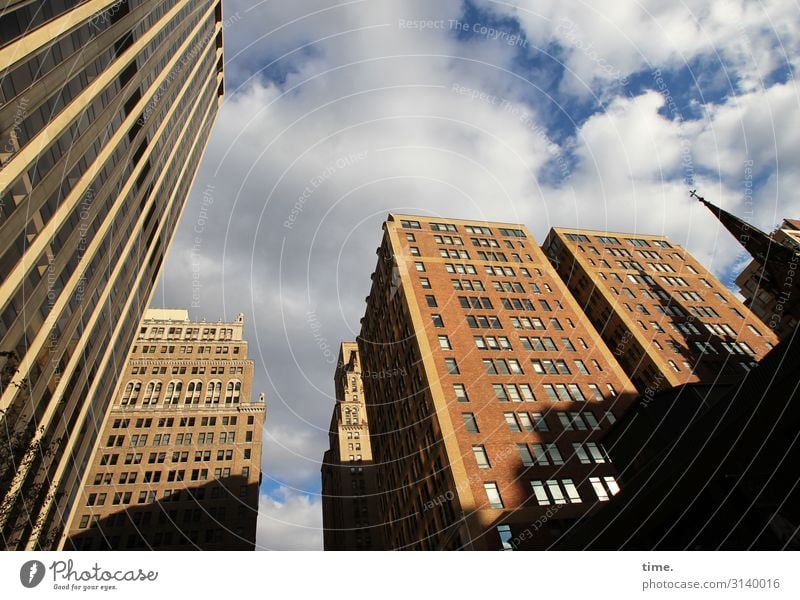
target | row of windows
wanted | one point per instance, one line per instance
(188, 333)
(606, 239)
(462, 269)
(186, 349)
(182, 422)
(194, 389)
(131, 477)
(156, 458)
(552, 491)
(535, 421)
(195, 370)
(493, 322)
(163, 439)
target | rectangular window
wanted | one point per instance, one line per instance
(460, 392)
(480, 457)
(504, 533)
(525, 455)
(527, 392)
(539, 424)
(500, 392)
(493, 494)
(470, 423)
(444, 343)
(511, 421)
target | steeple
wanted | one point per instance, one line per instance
(769, 252)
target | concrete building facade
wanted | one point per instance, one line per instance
(105, 110)
(349, 484)
(488, 391)
(665, 317)
(177, 464)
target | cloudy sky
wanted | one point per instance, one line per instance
(571, 113)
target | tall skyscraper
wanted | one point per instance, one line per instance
(774, 299)
(665, 317)
(177, 464)
(489, 390)
(349, 486)
(105, 111)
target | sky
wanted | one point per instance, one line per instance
(600, 115)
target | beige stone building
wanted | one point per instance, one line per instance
(105, 110)
(177, 464)
(349, 501)
(665, 317)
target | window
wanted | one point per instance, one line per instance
(419, 266)
(539, 424)
(431, 301)
(410, 224)
(503, 532)
(480, 457)
(460, 392)
(511, 421)
(437, 321)
(493, 495)
(525, 455)
(452, 367)
(596, 393)
(232, 392)
(604, 487)
(581, 367)
(444, 343)
(470, 423)
(590, 452)
(546, 454)
(425, 283)
(554, 491)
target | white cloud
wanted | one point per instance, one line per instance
(607, 40)
(284, 147)
(289, 521)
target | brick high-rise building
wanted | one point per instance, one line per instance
(349, 500)
(177, 464)
(105, 110)
(665, 317)
(489, 390)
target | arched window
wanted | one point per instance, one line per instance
(173, 394)
(193, 392)
(213, 391)
(151, 393)
(131, 393)
(232, 392)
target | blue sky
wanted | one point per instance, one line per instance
(550, 113)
